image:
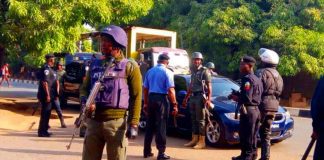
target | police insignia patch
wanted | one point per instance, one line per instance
(247, 86)
(46, 72)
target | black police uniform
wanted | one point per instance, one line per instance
(249, 100)
(317, 112)
(250, 97)
(47, 74)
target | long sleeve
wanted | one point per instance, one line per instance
(317, 106)
(134, 79)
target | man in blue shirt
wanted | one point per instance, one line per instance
(317, 111)
(158, 86)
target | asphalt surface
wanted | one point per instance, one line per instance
(26, 145)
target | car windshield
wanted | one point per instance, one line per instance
(179, 62)
(223, 87)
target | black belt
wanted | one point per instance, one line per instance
(250, 106)
(161, 94)
(197, 93)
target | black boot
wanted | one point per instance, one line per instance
(265, 151)
(163, 156)
(63, 125)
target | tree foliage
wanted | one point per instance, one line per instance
(226, 30)
(32, 28)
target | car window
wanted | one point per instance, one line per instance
(180, 83)
(223, 87)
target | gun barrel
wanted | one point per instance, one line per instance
(308, 149)
(93, 94)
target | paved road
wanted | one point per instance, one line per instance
(18, 90)
(26, 145)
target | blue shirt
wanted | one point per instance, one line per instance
(159, 79)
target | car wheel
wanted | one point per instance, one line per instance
(142, 125)
(215, 134)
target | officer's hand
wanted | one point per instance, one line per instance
(132, 132)
(90, 110)
(207, 103)
(184, 103)
(175, 110)
(314, 135)
(48, 98)
(145, 109)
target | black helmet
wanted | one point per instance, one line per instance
(196, 55)
(210, 65)
(117, 33)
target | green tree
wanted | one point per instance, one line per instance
(226, 30)
(30, 29)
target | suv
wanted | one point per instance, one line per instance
(75, 67)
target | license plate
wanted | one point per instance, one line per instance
(275, 126)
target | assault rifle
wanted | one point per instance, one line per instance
(91, 100)
(207, 107)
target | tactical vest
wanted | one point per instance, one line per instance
(273, 85)
(114, 92)
(276, 87)
(197, 78)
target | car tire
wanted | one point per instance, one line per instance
(142, 125)
(215, 133)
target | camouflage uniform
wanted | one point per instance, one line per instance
(196, 103)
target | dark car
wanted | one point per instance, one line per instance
(224, 127)
(75, 67)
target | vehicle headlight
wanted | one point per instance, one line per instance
(231, 116)
(287, 114)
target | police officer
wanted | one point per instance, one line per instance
(48, 91)
(317, 112)
(272, 88)
(200, 79)
(118, 103)
(211, 67)
(158, 85)
(249, 99)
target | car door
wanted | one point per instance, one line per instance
(183, 119)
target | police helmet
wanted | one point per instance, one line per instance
(60, 63)
(210, 65)
(116, 33)
(197, 55)
(268, 56)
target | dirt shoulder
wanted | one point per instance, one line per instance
(16, 114)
